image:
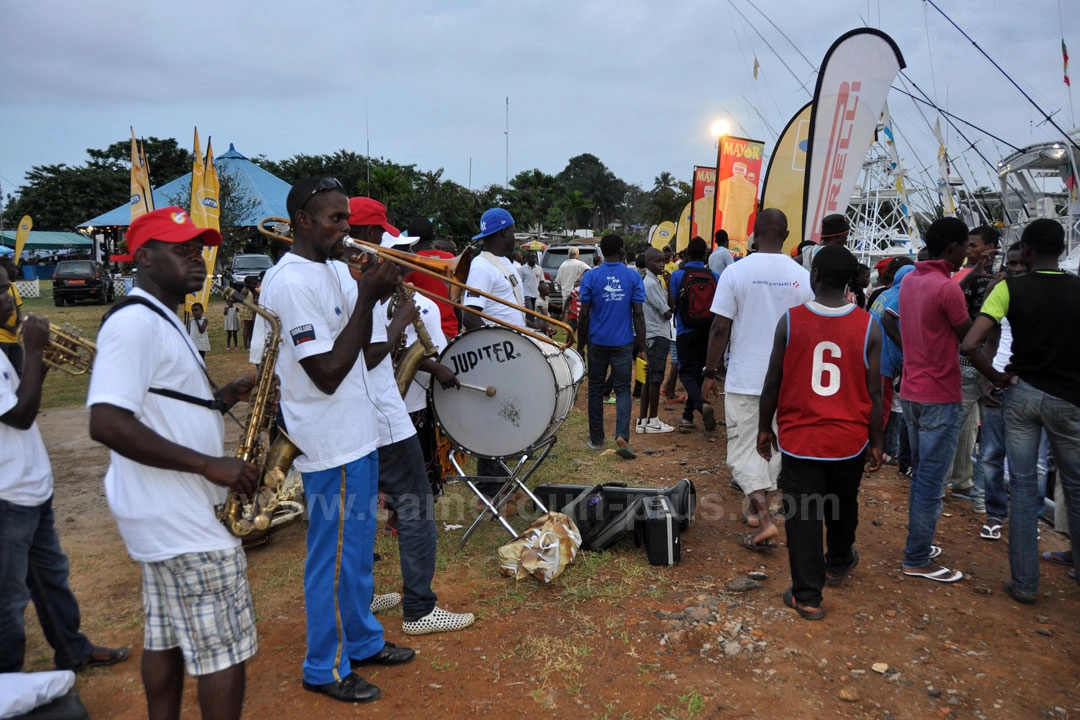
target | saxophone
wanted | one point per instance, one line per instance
(255, 516)
(409, 358)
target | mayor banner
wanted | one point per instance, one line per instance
(703, 203)
(785, 178)
(852, 86)
(738, 170)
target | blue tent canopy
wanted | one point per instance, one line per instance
(267, 190)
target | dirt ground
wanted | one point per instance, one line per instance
(617, 638)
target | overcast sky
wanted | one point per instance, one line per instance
(636, 83)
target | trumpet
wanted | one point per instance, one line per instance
(453, 272)
(66, 350)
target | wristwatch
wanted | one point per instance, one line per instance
(706, 372)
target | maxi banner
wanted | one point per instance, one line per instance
(738, 170)
(703, 203)
(785, 178)
(853, 83)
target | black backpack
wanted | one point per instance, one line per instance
(695, 298)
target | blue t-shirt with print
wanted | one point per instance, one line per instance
(612, 288)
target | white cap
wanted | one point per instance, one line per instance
(389, 241)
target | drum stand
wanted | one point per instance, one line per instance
(514, 481)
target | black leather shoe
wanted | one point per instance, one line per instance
(390, 654)
(351, 688)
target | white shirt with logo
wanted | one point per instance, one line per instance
(754, 293)
(314, 302)
(25, 473)
(160, 513)
(485, 276)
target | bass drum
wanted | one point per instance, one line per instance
(534, 384)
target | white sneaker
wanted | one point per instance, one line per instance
(656, 425)
(642, 425)
(438, 620)
(385, 602)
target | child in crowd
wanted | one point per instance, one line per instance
(247, 317)
(543, 303)
(198, 327)
(232, 326)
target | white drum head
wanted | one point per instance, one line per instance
(577, 365)
(523, 406)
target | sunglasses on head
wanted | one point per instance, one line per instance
(325, 185)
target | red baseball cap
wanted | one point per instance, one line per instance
(882, 264)
(365, 211)
(170, 225)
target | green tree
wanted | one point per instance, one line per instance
(586, 174)
(532, 195)
(167, 160)
(235, 205)
(390, 185)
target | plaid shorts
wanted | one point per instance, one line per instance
(201, 603)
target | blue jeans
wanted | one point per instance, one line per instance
(933, 429)
(620, 358)
(1029, 411)
(990, 469)
(33, 567)
(404, 481)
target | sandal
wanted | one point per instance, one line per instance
(804, 613)
(938, 573)
(746, 541)
(837, 577)
(991, 530)
(1059, 557)
(113, 656)
(675, 400)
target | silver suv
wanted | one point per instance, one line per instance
(555, 256)
(243, 265)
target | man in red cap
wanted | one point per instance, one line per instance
(153, 404)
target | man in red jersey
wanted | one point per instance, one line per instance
(823, 384)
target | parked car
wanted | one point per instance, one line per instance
(555, 256)
(243, 265)
(81, 280)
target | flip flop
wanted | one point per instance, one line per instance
(935, 551)
(942, 574)
(115, 655)
(1058, 557)
(991, 531)
(791, 602)
(675, 400)
(834, 577)
(746, 541)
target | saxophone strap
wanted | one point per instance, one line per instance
(215, 403)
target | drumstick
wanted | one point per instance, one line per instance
(489, 390)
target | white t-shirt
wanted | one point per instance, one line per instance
(25, 474)
(569, 272)
(394, 422)
(313, 301)
(754, 293)
(485, 276)
(1004, 349)
(160, 513)
(531, 277)
(416, 395)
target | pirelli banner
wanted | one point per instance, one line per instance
(852, 87)
(738, 171)
(703, 203)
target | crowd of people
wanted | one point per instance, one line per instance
(948, 369)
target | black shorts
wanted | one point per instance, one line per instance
(656, 354)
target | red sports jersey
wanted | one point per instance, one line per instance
(823, 411)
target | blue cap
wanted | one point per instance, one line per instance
(492, 221)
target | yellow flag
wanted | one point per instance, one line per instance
(25, 225)
(682, 229)
(195, 211)
(210, 218)
(141, 200)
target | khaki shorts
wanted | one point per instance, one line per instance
(749, 469)
(201, 603)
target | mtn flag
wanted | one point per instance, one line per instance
(210, 218)
(142, 200)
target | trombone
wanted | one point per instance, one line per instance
(453, 272)
(66, 350)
